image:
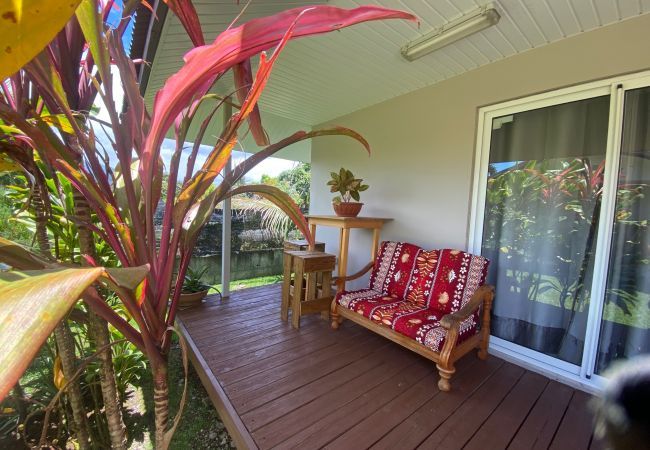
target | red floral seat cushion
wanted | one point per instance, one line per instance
(405, 317)
(393, 267)
(445, 280)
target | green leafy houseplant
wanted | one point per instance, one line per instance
(345, 183)
(192, 282)
(193, 290)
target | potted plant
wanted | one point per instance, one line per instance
(194, 290)
(349, 187)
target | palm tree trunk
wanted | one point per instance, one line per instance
(98, 331)
(41, 220)
(65, 344)
(62, 333)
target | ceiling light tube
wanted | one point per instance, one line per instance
(478, 20)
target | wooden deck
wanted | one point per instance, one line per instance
(276, 387)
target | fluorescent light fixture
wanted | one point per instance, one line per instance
(478, 20)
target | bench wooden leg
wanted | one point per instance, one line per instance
(445, 375)
(334, 316)
(485, 326)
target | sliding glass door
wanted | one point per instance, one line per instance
(562, 208)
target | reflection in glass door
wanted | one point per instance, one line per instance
(542, 205)
(625, 326)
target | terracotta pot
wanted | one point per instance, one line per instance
(193, 298)
(347, 209)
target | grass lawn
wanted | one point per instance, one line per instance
(200, 426)
(249, 283)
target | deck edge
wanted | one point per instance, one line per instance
(235, 426)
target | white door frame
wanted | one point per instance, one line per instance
(579, 376)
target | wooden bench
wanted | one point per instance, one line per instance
(431, 302)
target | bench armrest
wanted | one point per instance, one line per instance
(453, 320)
(354, 276)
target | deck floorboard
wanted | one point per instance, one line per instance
(276, 387)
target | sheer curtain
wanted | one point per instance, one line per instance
(626, 316)
(541, 217)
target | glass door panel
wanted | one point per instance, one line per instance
(625, 327)
(540, 223)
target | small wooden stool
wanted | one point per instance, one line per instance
(306, 295)
(301, 245)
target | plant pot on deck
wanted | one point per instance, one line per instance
(192, 298)
(347, 209)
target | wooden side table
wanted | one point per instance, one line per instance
(345, 224)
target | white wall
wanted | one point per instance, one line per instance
(423, 143)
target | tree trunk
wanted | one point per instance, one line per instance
(62, 333)
(98, 331)
(113, 410)
(41, 220)
(161, 406)
(65, 344)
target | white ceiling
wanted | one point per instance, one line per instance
(323, 77)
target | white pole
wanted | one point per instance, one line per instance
(226, 223)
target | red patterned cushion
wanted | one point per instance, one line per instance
(393, 267)
(403, 316)
(445, 280)
(364, 301)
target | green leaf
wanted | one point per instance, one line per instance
(91, 24)
(355, 195)
(31, 305)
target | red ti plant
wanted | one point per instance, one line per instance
(124, 198)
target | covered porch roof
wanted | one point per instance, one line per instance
(324, 77)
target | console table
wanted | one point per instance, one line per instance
(345, 224)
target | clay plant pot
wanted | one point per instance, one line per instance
(192, 299)
(347, 209)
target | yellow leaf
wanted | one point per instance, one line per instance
(59, 121)
(59, 377)
(26, 27)
(7, 165)
(504, 249)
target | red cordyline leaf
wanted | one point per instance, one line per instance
(203, 65)
(184, 10)
(243, 75)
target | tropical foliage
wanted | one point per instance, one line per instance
(296, 182)
(555, 204)
(48, 130)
